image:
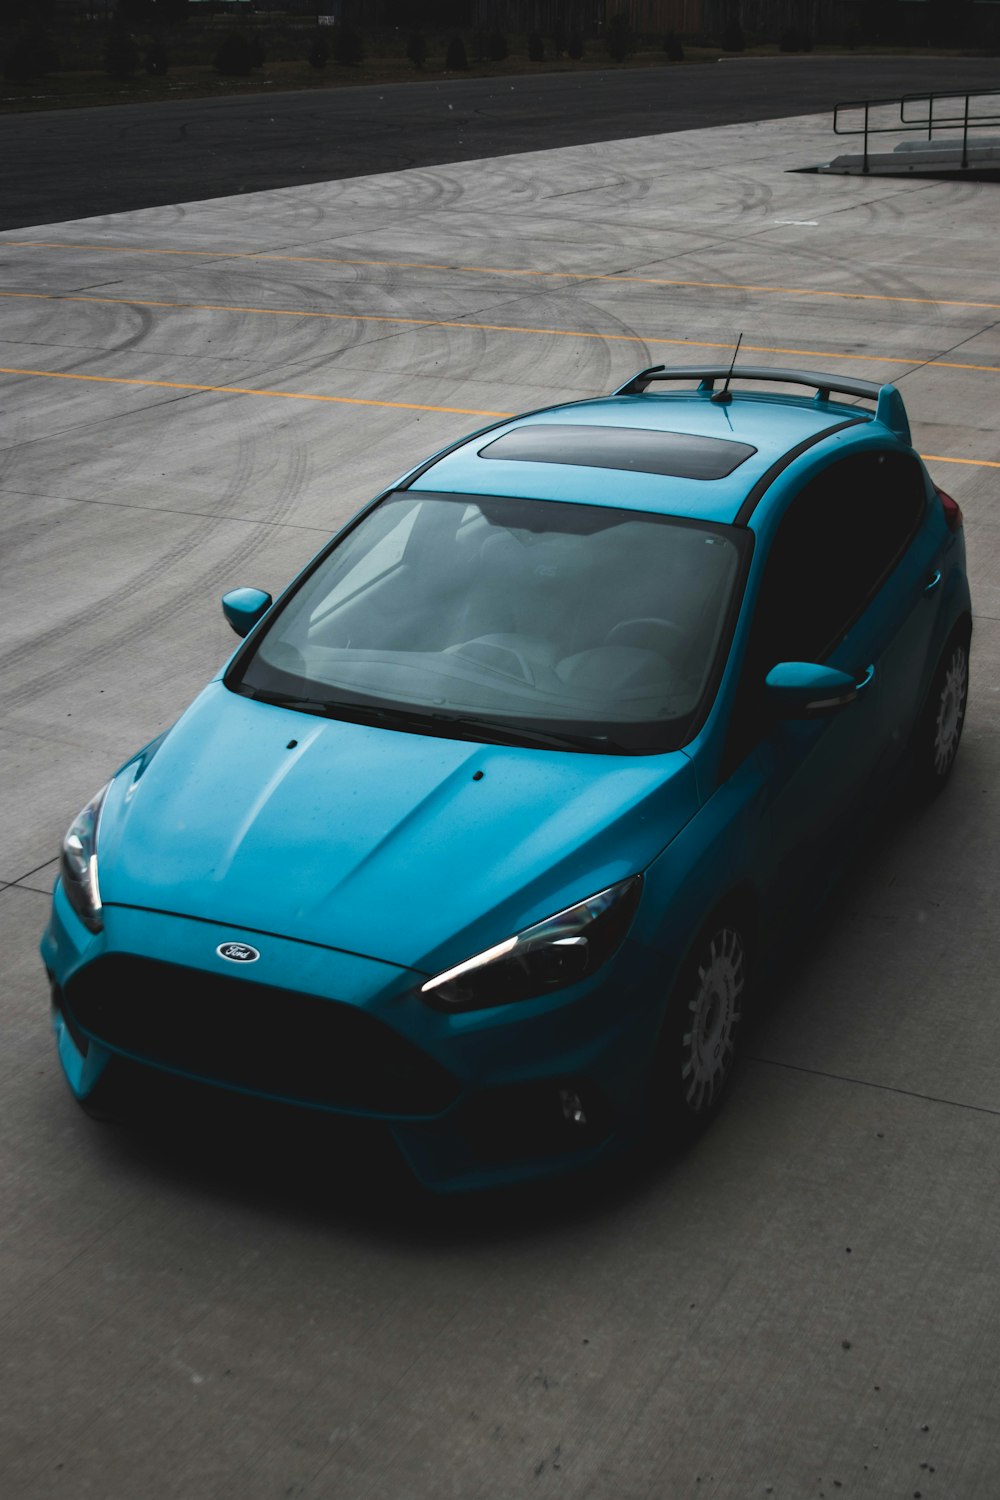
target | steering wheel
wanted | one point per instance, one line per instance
(647, 631)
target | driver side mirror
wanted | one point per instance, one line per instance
(806, 690)
(244, 607)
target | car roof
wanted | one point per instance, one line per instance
(771, 425)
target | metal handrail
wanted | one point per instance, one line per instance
(950, 122)
(931, 121)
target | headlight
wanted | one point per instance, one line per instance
(78, 864)
(559, 951)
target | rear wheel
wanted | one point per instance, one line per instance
(937, 737)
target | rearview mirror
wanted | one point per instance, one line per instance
(244, 607)
(806, 690)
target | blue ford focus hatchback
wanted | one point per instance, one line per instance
(486, 826)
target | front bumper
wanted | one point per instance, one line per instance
(472, 1100)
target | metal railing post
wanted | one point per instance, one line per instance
(865, 164)
(965, 135)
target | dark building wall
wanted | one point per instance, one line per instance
(764, 20)
(414, 14)
(832, 21)
(522, 16)
(377, 15)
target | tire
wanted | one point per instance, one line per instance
(939, 732)
(700, 1035)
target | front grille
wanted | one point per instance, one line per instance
(254, 1036)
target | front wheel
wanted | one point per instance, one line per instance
(700, 1034)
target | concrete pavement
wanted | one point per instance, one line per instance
(806, 1304)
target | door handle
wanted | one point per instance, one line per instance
(859, 687)
(932, 582)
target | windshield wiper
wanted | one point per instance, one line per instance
(448, 725)
(299, 705)
(489, 731)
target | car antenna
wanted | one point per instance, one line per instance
(723, 397)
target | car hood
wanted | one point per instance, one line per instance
(371, 840)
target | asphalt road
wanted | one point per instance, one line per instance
(71, 164)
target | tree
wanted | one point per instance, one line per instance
(37, 13)
(121, 55)
(455, 60)
(733, 39)
(32, 56)
(234, 55)
(135, 14)
(318, 53)
(416, 49)
(156, 61)
(618, 39)
(794, 40)
(348, 47)
(496, 46)
(949, 22)
(883, 21)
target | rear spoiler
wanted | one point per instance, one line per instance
(889, 408)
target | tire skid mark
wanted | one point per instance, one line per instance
(239, 390)
(151, 405)
(193, 590)
(33, 527)
(876, 283)
(616, 277)
(354, 324)
(145, 318)
(84, 620)
(892, 287)
(355, 336)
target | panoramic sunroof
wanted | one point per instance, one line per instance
(638, 449)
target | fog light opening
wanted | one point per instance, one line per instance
(571, 1104)
(59, 1010)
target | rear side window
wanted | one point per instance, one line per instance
(838, 542)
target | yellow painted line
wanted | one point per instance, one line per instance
(560, 333)
(241, 390)
(461, 411)
(975, 463)
(418, 265)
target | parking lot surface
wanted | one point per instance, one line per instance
(229, 1303)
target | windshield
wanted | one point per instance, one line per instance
(506, 620)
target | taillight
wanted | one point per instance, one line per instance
(952, 510)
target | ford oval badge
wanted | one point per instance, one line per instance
(238, 953)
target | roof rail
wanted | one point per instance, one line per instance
(889, 408)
